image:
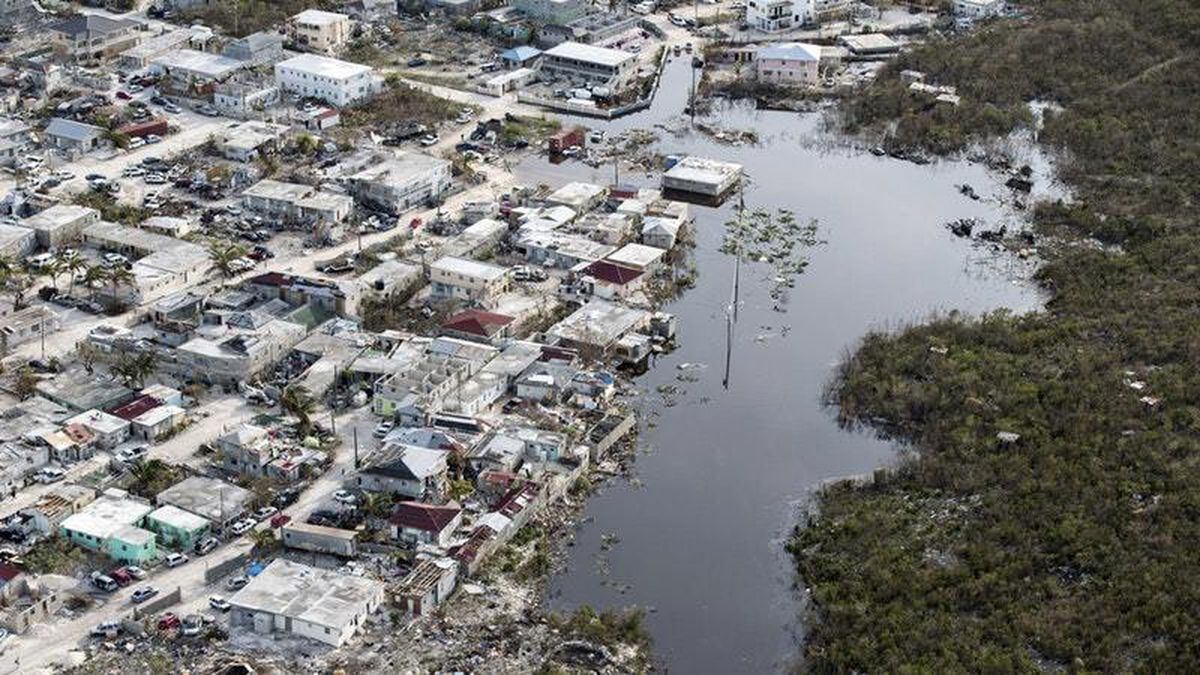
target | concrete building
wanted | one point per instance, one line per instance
(234, 347)
(588, 64)
(638, 257)
(415, 523)
(246, 450)
(91, 36)
(428, 585)
(157, 422)
(16, 139)
(296, 202)
(599, 324)
(108, 431)
(408, 470)
(467, 280)
(188, 67)
(591, 28)
(26, 324)
(788, 63)
(321, 539)
(321, 31)
(16, 242)
(261, 48)
(249, 140)
(60, 224)
(214, 500)
(109, 525)
(325, 606)
(582, 197)
(661, 232)
(401, 181)
(143, 54)
(71, 137)
(176, 528)
(338, 83)
(776, 15)
(702, 176)
(244, 99)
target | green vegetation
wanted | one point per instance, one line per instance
(240, 18)
(531, 129)
(399, 103)
(55, 555)
(110, 209)
(151, 477)
(610, 628)
(1072, 546)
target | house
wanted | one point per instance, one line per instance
(608, 280)
(246, 450)
(788, 63)
(599, 66)
(60, 224)
(143, 54)
(978, 9)
(702, 176)
(259, 49)
(177, 528)
(559, 249)
(591, 28)
(24, 325)
(775, 15)
(408, 470)
(51, 509)
(579, 196)
(17, 462)
(321, 605)
(16, 139)
(338, 83)
(214, 500)
(189, 68)
(321, 539)
(91, 36)
(109, 431)
(71, 137)
(598, 325)
(661, 232)
(158, 422)
(110, 525)
(545, 381)
(321, 31)
(475, 324)
(401, 181)
(428, 585)
(241, 99)
(869, 45)
(416, 523)
(233, 347)
(296, 202)
(497, 452)
(466, 280)
(337, 297)
(249, 140)
(552, 11)
(521, 56)
(638, 257)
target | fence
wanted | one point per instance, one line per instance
(219, 570)
(151, 607)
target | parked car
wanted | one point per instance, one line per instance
(220, 604)
(107, 629)
(237, 583)
(172, 108)
(49, 474)
(122, 577)
(280, 520)
(345, 497)
(135, 572)
(384, 428)
(176, 559)
(104, 582)
(206, 546)
(265, 512)
(151, 139)
(242, 527)
(428, 140)
(128, 455)
(143, 594)
(193, 624)
(168, 621)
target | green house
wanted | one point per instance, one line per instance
(177, 528)
(110, 525)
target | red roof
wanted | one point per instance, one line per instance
(271, 279)
(477, 322)
(425, 517)
(9, 572)
(136, 407)
(604, 270)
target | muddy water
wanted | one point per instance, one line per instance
(702, 527)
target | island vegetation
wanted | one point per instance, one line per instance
(1045, 515)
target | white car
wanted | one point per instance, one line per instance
(428, 140)
(49, 474)
(135, 571)
(345, 497)
(135, 143)
(265, 512)
(153, 138)
(220, 604)
(108, 629)
(242, 527)
(238, 582)
(176, 559)
(127, 455)
(143, 594)
(384, 428)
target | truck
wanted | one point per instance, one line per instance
(567, 138)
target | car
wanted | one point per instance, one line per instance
(107, 629)
(120, 576)
(49, 474)
(280, 519)
(159, 99)
(237, 583)
(345, 497)
(206, 546)
(384, 428)
(428, 140)
(153, 138)
(220, 604)
(155, 179)
(207, 111)
(133, 172)
(242, 527)
(168, 621)
(193, 624)
(135, 571)
(172, 108)
(265, 512)
(416, 62)
(113, 260)
(127, 455)
(143, 594)
(123, 96)
(104, 582)
(176, 559)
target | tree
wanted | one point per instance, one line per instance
(73, 266)
(264, 540)
(87, 353)
(118, 276)
(223, 254)
(134, 369)
(14, 281)
(298, 402)
(54, 269)
(26, 383)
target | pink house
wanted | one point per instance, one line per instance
(791, 63)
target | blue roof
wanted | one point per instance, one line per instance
(520, 54)
(70, 129)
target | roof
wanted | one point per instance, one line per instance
(603, 270)
(323, 66)
(209, 498)
(636, 255)
(107, 515)
(790, 51)
(72, 130)
(91, 24)
(136, 407)
(468, 268)
(201, 63)
(319, 17)
(424, 517)
(521, 53)
(9, 572)
(176, 517)
(308, 594)
(407, 462)
(477, 322)
(590, 54)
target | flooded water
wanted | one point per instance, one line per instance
(701, 529)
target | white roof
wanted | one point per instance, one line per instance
(590, 54)
(158, 414)
(309, 594)
(178, 518)
(202, 63)
(323, 66)
(469, 268)
(99, 421)
(637, 256)
(319, 17)
(107, 515)
(790, 51)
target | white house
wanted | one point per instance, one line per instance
(978, 9)
(320, 30)
(336, 82)
(469, 280)
(789, 63)
(776, 15)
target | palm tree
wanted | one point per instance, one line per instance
(135, 369)
(117, 276)
(223, 254)
(264, 540)
(74, 266)
(13, 280)
(54, 269)
(299, 402)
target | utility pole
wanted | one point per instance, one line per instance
(356, 448)
(42, 326)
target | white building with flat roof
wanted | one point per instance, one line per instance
(336, 82)
(589, 64)
(789, 63)
(467, 280)
(321, 605)
(400, 181)
(321, 31)
(702, 176)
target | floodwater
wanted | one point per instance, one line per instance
(701, 529)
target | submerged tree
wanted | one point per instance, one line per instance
(774, 238)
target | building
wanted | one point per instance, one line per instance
(91, 36)
(418, 524)
(788, 63)
(108, 431)
(978, 9)
(158, 422)
(552, 11)
(592, 28)
(214, 500)
(109, 525)
(233, 347)
(428, 585)
(522, 56)
(321, 605)
(581, 197)
(599, 324)
(246, 450)
(467, 280)
(143, 54)
(661, 232)
(60, 224)
(478, 325)
(259, 49)
(870, 45)
(608, 280)
(638, 257)
(401, 181)
(321, 31)
(188, 68)
(242, 99)
(702, 176)
(73, 138)
(176, 528)
(776, 15)
(16, 242)
(321, 539)
(23, 325)
(15, 140)
(588, 64)
(248, 140)
(296, 202)
(408, 470)
(338, 83)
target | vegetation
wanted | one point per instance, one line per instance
(298, 402)
(400, 103)
(110, 209)
(223, 254)
(55, 555)
(1047, 520)
(152, 476)
(133, 369)
(611, 628)
(240, 18)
